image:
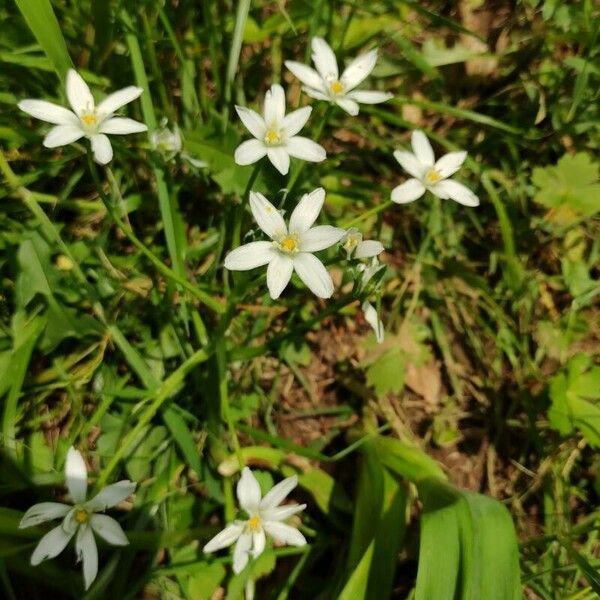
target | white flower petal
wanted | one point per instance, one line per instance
(305, 149)
(456, 191)
(359, 69)
(320, 237)
(281, 513)
(307, 211)
(249, 152)
(51, 545)
(111, 495)
(101, 148)
(279, 273)
(61, 135)
(368, 248)
(369, 97)
(305, 74)
(410, 163)
(42, 512)
(258, 543)
(122, 126)
(316, 94)
(114, 101)
(250, 256)
(248, 491)
(87, 551)
(76, 475)
(450, 163)
(314, 274)
(280, 159)
(46, 111)
(422, 148)
(241, 552)
(274, 108)
(108, 529)
(78, 93)
(69, 524)
(252, 121)
(374, 321)
(408, 191)
(278, 493)
(224, 538)
(296, 120)
(324, 59)
(349, 105)
(268, 218)
(284, 534)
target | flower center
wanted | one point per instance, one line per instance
(89, 119)
(289, 244)
(272, 137)
(81, 516)
(432, 176)
(254, 524)
(336, 87)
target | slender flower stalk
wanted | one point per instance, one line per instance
(85, 119)
(431, 175)
(291, 247)
(80, 520)
(266, 516)
(325, 83)
(275, 134)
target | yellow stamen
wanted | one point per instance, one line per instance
(336, 87)
(81, 516)
(289, 244)
(254, 524)
(432, 176)
(272, 137)
(89, 119)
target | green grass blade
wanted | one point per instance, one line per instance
(356, 588)
(42, 22)
(26, 336)
(168, 209)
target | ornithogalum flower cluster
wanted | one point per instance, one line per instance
(287, 247)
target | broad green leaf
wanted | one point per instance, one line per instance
(408, 462)
(475, 536)
(574, 395)
(571, 184)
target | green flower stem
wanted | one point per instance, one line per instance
(160, 266)
(248, 353)
(239, 210)
(368, 213)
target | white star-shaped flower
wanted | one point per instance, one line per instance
(265, 517)
(275, 134)
(81, 520)
(326, 84)
(356, 247)
(290, 248)
(86, 119)
(431, 175)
